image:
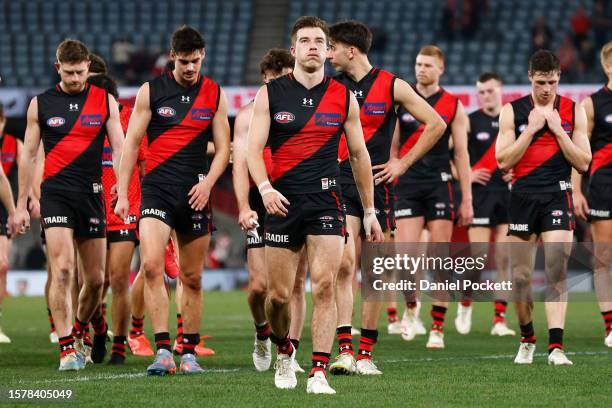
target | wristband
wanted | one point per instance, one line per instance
(370, 210)
(262, 185)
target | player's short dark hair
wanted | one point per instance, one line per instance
(544, 61)
(276, 60)
(105, 82)
(352, 33)
(487, 76)
(169, 66)
(2, 114)
(186, 40)
(308, 22)
(97, 65)
(71, 51)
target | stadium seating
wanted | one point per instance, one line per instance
(503, 42)
(31, 30)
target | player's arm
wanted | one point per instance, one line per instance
(240, 168)
(200, 193)
(577, 149)
(21, 220)
(362, 170)
(581, 206)
(141, 116)
(425, 114)
(6, 195)
(257, 137)
(114, 133)
(461, 158)
(508, 148)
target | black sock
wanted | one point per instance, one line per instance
(296, 343)
(119, 345)
(555, 339)
(190, 341)
(162, 341)
(527, 333)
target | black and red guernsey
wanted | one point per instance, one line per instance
(73, 130)
(374, 92)
(543, 168)
(305, 129)
(481, 148)
(179, 130)
(434, 166)
(601, 137)
(8, 152)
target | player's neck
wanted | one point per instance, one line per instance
(309, 79)
(609, 84)
(65, 89)
(359, 69)
(428, 90)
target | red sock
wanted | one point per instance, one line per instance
(607, 316)
(411, 305)
(119, 346)
(391, 314)
(137, 326)
(319, 363)
(500, 311)
(99, 325)
(345, 340)
(437, 314)
(283, 344)
(179, 329)
(79, 328)
(466, 302)
(263, 331)
(366, 343)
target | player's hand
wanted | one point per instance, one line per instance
(199, 195)
(536, 120)
(554, 122)
(388, 172)
(34, 208)
(244, 219)
(480, 176)
(507, 176)
(122, 208)
(581, 206)
(275, 202)
(466, 214)
(21, 221)
(372, 229)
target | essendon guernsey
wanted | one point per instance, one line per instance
(179, 130)
(113, 221)
(434, 166)
(543, 168)
(305, 129)
(481, 148)
(73, 130)
(601, 138)
(374, 92)
(8, 156)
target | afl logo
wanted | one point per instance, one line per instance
(166, 112)
(284, 117)
(483, 136)
(608, 118)
(406, 117)
(56, 121)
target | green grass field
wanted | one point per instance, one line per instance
(473, 370)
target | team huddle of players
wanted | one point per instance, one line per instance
(320, 166)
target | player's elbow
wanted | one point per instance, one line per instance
(439, 127)
(502, 162)
(583, 166)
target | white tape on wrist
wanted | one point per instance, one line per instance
(371, 210)
(262, 185)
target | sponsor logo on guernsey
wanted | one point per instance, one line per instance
(166, 112)
(73, 107)
(131, 219)
(567, 127)
(284, 117)
(519, 227)
(565, 185)
(252, 240)
(197, 216)
(201, 114)
(185, 99)
(327, 119)
(55, 220)
(123, 233)
(599, 213)
(308, 102)
(404, 212)
(278, 238)
(608, 118)
(375, 108)
(495, 124)
(358, 93)
(91, 120)
(556, 213)
(440, 206)
(407, 118)
(154, 211)
(483, 136)
(522, 127)
(56, 121)
(327, 183)
(94, 221)
(556, 221)
(107, 157)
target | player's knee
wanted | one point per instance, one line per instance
(191, 281)
(521, 277)
(278, 297)
(152, 270)
(4, 265)
(257, 288)
(323, 290)
(347, 268)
